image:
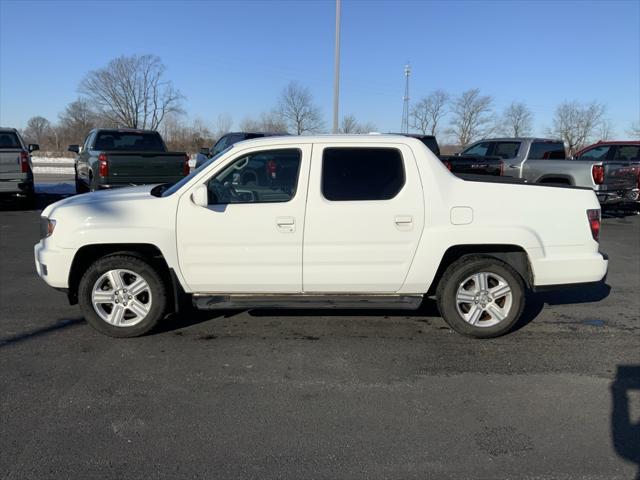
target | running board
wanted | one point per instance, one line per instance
(214, 301)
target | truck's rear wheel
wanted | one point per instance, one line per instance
(122, 296)
(481, 297)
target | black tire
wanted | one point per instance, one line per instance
(454, 277)
(141, 268)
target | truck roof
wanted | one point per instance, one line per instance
(335, 138)
(519, 139)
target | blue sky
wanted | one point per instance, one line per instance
(235, 57)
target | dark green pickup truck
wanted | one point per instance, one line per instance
(124, 157)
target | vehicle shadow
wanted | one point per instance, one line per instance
(625, 433)
(39, 202)
(38, 332)
(533, 306)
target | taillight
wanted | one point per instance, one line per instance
(103, 165)
(593, 215)
(24, 162)
(597, 172)
(186, 169)
(447, 164)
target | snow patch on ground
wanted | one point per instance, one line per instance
(56, 188)
(60, 160)
(56, 170)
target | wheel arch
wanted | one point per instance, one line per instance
(150, 253)
(513, 255)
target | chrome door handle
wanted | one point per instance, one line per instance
(286, 224)
(404, 220)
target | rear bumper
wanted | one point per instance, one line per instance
(53, 265)
(23, 186)
(562, 270)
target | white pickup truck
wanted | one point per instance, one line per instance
(320, 221)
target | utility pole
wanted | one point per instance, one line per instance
(404, 127)
(336, 72)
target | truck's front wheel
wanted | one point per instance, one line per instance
(481, 297)
(122, 296)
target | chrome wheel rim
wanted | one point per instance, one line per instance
(484, 299)
(121, 298)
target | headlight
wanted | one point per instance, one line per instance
(46, 227)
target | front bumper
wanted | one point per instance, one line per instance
(53, 264)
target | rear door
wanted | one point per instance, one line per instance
(364, 218)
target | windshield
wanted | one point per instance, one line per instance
(171, 189)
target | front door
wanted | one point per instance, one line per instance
(249, 238)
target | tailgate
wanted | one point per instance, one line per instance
(620, 175)
(146, 165)
(10, 161)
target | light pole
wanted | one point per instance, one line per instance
(336, 71)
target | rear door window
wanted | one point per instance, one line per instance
(9, 140)
(547, 151)
(627, 152)
(352, 174)
(478, 150)
(506, 149)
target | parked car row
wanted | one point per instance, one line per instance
(611, 169)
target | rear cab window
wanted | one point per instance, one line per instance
(359, 174)
(128, 141)
(547, 151)
(10, 140)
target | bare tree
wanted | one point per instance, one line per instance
(517, 120)
(77, 120)
(349, 124)
(223, 125)
(471, 117)
(634, 130)
(577, 123)
(427, 113)
(267, 122)
(298, 111)
(605, 130)
(38, 130)
(131, 92)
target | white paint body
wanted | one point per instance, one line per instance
(312, 245)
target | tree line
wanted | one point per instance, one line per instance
(132, 91)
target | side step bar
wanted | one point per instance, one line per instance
(214, 301)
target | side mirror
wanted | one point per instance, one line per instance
(200, 196)
(33, 147)
(74, 148)
(204, 151)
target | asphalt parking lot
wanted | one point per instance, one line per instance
(318, 394)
